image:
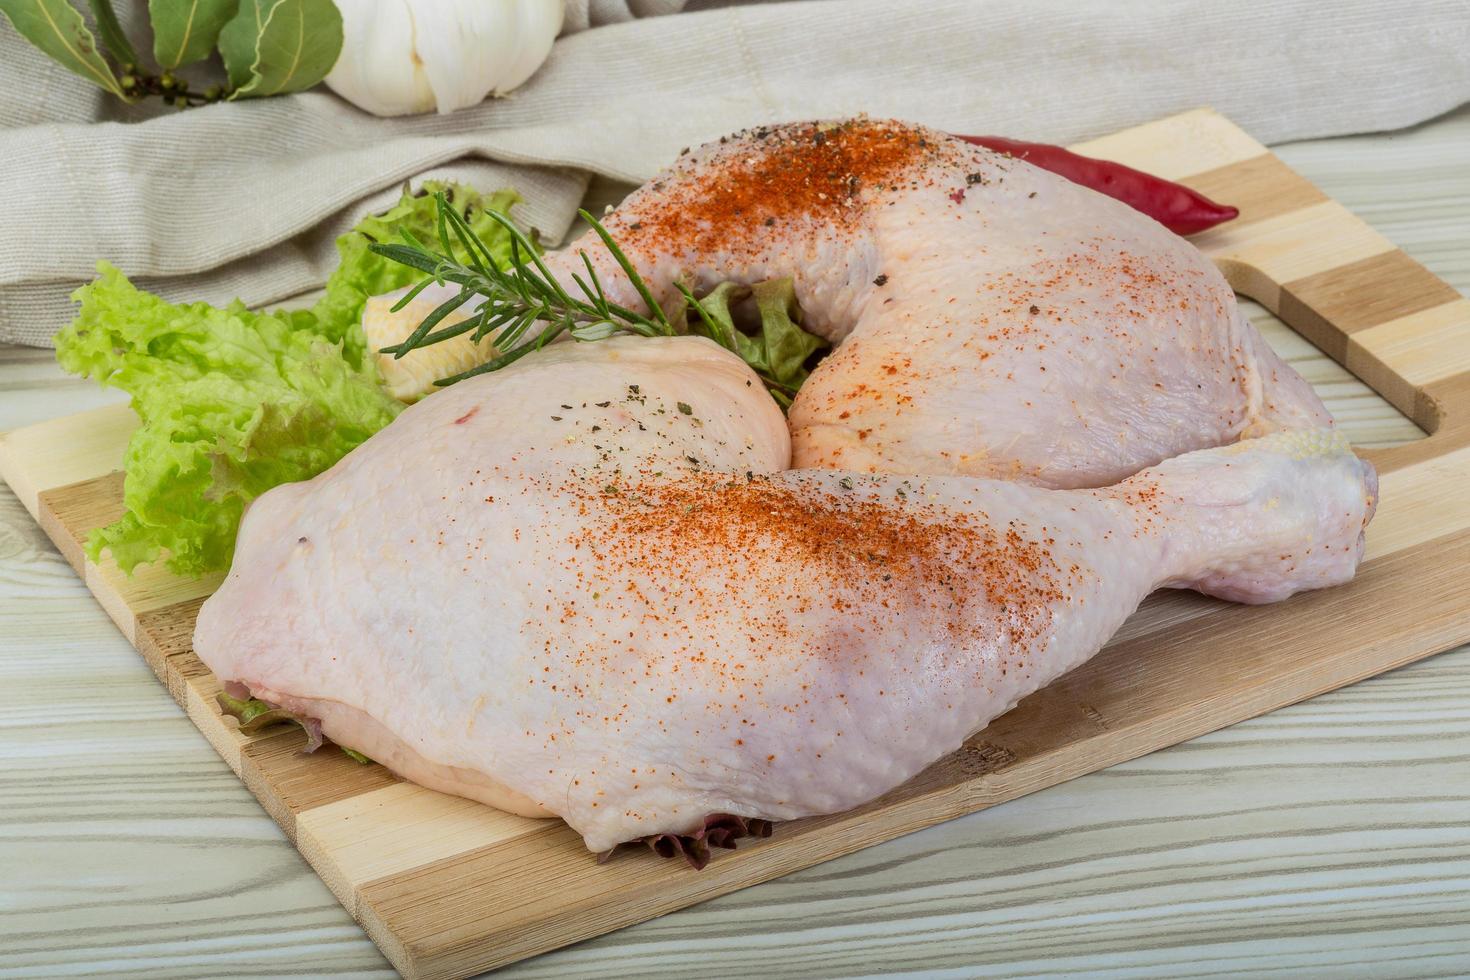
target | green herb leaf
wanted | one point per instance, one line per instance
(185, 31)
(526, 292)
(298, 47)
(356, 756)
(113, 38)
(239, 39)
(275, 46)
(361, 274)
(57, 28)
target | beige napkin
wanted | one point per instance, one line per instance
(244, 199)
(582, 14)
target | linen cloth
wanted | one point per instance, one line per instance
(582, 14)
(244, 199)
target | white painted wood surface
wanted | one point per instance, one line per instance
(1327, 839)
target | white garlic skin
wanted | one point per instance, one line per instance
(401, 57)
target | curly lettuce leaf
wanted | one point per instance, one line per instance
(361, 274)
(255, 715)
(252, 714)
(234, 402)
(231, 403)
(777, 348)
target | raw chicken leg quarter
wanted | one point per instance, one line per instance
(588, 585)
(992, 319)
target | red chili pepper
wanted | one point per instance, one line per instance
(1176, 207)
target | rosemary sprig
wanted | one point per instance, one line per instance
(514, 299)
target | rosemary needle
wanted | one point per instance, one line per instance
(514, 299)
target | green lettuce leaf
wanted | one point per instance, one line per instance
(234, 402)
(255, 715)
(778, 349)
(231, 403)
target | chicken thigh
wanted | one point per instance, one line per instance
(588, 586)
(992, 319)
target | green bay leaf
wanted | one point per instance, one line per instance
(296, 44)
(114, 40)
(185, 31)
(57, 28)
(238, 39)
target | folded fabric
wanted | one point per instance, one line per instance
(244, 198)
(582, 14)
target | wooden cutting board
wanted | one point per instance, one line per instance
(447, 887)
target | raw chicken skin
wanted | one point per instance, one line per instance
(588, 585)
(993, 319)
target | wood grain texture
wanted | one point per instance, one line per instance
(963, 904)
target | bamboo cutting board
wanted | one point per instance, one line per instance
(447, 887)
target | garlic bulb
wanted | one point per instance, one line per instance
(407, 56)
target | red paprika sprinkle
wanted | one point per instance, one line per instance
(810, 170)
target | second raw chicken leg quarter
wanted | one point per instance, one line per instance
(991, 319)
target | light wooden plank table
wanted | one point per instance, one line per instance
(1332, 838)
